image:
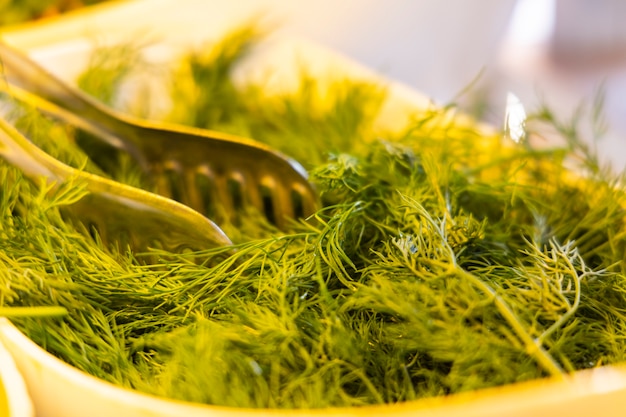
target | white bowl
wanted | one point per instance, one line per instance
(59, 390)
(14, 398)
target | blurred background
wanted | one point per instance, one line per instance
(562, 53)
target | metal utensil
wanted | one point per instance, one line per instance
(202, 169)
(113, 209)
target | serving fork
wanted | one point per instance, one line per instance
(214, 173)
(117, 212)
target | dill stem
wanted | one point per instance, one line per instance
(533, 346)
(571, 310)
(38, 311)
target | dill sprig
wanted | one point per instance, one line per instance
(443, 260)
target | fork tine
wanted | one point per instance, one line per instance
(193, 197)
(226, 209)
(207, 190)
(253, 193)
(302, 199)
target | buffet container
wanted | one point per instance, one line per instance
(58, 390)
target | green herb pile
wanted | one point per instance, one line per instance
(444, 259)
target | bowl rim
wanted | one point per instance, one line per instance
(510, 399)
(13, 386)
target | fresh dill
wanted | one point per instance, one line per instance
(442, 261)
